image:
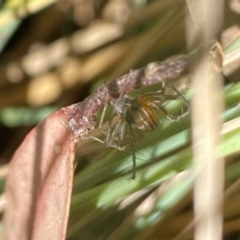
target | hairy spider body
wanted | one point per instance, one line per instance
(135, 114)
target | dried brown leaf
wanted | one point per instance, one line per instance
(39, 182)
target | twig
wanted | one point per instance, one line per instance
(82, 116)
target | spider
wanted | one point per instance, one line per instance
(135, 113)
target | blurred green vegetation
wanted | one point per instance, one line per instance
(50, 59)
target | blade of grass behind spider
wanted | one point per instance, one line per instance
(180, 161)
(114, 163)
(108, 193)
(165, 202)
(148, 218)
(151, 209)
(228, 147)
(103, 170)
